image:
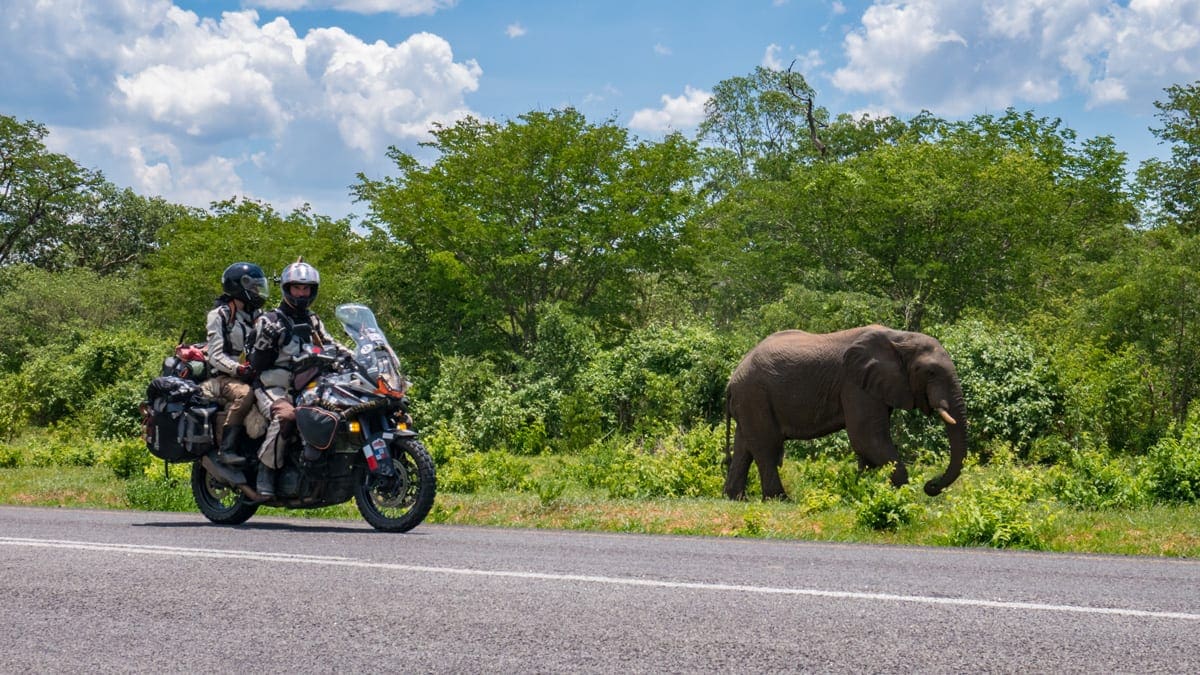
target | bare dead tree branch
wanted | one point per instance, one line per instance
(807, 100)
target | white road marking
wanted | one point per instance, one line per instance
(619, 581)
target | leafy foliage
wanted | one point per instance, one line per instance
(1011, 392)
(548, 208)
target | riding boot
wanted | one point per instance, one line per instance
(266, 482)
(228, 453)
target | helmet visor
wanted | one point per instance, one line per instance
(255, 287)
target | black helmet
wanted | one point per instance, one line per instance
(299, 272)
(246, 282)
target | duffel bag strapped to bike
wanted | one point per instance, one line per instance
(188, 363)
(177, 419)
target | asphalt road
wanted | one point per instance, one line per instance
(100, 591)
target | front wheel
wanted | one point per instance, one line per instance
(400, 502)
(219, 502)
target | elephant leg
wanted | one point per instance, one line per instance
(768, 472)
(868, 426)
(737, 472)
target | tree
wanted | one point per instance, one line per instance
(765, 120)
(548, 208)
(39, 191)
(183, 275)
(113, 229)
(1169, 186)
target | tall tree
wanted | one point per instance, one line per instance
(183, 276)
(765, 122)
(39, 191)
(547, 208)
(1169, 186)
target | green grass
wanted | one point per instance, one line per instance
(1157, 530)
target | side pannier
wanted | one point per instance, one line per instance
(177, 419)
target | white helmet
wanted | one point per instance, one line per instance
(299, 272)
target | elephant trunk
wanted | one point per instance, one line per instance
(955, 417)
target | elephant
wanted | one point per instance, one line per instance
(798, 385)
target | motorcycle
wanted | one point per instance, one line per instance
(355, 438)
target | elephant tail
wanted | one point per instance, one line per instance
(728, 444)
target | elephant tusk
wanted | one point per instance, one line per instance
(946, 416)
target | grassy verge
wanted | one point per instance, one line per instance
(1157, 530)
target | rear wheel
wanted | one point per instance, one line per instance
(219, 502)
(399, 503)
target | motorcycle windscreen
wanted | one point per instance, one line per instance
(373, 350)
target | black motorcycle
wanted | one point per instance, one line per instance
(355, 438)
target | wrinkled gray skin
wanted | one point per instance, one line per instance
(797, 385)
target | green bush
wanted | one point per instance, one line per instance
(661, 377)
(103, 377)
(127, 458)
(63, 445)
(1001, 509)
(819, 311)
(883, 507)
(1011, 393)
(465, 472)
(1113, 396)
(1092, 480)
(489, 410)
(1173, 464)
(681, 464)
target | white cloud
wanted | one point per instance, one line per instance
(514, 30)
(606, 92)
(199, 110)
(806, 63)
(953, 57)
(399, 7)
(677, 112)
(662, 50)
(771, 58)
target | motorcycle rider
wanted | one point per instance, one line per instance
(230, 324)
(280, 334)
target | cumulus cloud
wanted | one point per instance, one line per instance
(514, 30)
(661, 49)
(399, 7)
(677, 112)
(195, 106)
(955, 57)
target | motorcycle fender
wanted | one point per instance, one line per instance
(400, 433)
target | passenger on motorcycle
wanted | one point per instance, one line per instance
(281, 334)
(229, 324)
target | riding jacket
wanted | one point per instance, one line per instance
(230, 335)
(281, 334)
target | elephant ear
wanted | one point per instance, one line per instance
(873, 363)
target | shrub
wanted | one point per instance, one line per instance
(819, 311)
(661, 377)
(1112, 395)
(681, 464)
(127, 458)
(1173, 464)
(113, 412)
(1011, 393)
(1093, 480)
(883, 507)
(1000, 510)
(490, 411)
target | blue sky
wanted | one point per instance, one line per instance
(287, 100)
